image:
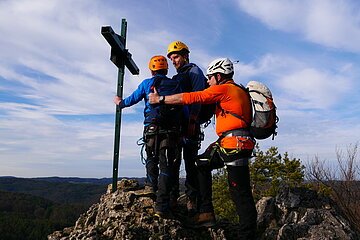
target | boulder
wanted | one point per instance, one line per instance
(300, 213)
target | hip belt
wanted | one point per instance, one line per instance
(239, 162)
(236, 132)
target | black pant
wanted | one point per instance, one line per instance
(189, 149)
(240, 190)
(190, 152)
(162, 152)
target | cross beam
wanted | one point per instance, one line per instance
(118, 51)
(121, 57)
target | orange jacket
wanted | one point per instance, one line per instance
(231, 98)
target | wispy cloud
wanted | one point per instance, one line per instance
(314, 89)
(301, 84)
(325, 22)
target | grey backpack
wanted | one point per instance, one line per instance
(265, 120)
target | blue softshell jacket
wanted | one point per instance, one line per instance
(142, 92)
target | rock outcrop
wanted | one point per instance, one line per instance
(298, 213)
(128, 214)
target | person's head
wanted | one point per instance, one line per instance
(158, 64)
(219, 71)
(178, 53)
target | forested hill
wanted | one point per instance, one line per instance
(54, 189)
(60, 190)
(23, 216)
(32, 208)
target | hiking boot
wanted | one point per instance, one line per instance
(206, 219)
(164, 214)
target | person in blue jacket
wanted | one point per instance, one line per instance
(161, 132)
(191, 79)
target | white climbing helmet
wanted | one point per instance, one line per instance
(220, 65)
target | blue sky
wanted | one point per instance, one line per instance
(57, 82)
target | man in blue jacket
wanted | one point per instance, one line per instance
(191, 79)
(161, 132)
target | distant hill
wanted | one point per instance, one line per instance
(60, 190)
(100, 181)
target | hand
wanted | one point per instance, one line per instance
(154, 97)
(117, 100)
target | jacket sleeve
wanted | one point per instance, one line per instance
(212, 94)
(135, 97)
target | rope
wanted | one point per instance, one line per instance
(142, 144)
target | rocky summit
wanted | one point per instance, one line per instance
(128, 213)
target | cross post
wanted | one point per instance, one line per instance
(121, 57)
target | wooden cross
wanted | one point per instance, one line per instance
(121, 57)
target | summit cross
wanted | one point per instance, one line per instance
(121, 57)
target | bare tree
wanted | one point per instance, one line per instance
(342, 181)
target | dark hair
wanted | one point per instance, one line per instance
(184, 52)
(162, 71)
(227, 76)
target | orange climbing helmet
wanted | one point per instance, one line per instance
(157, 63)
(177, 46)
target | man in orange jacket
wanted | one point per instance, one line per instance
(233, 148)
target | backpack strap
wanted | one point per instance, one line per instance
(223, 111)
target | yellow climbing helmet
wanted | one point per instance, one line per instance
(157, 63)
(177, 46)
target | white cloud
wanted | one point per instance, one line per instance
(269, 63)
(299, 84)
(283, 15)
(332, 22)
(326, 22)
(31, 137)
(311, 88)
(62, 40)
